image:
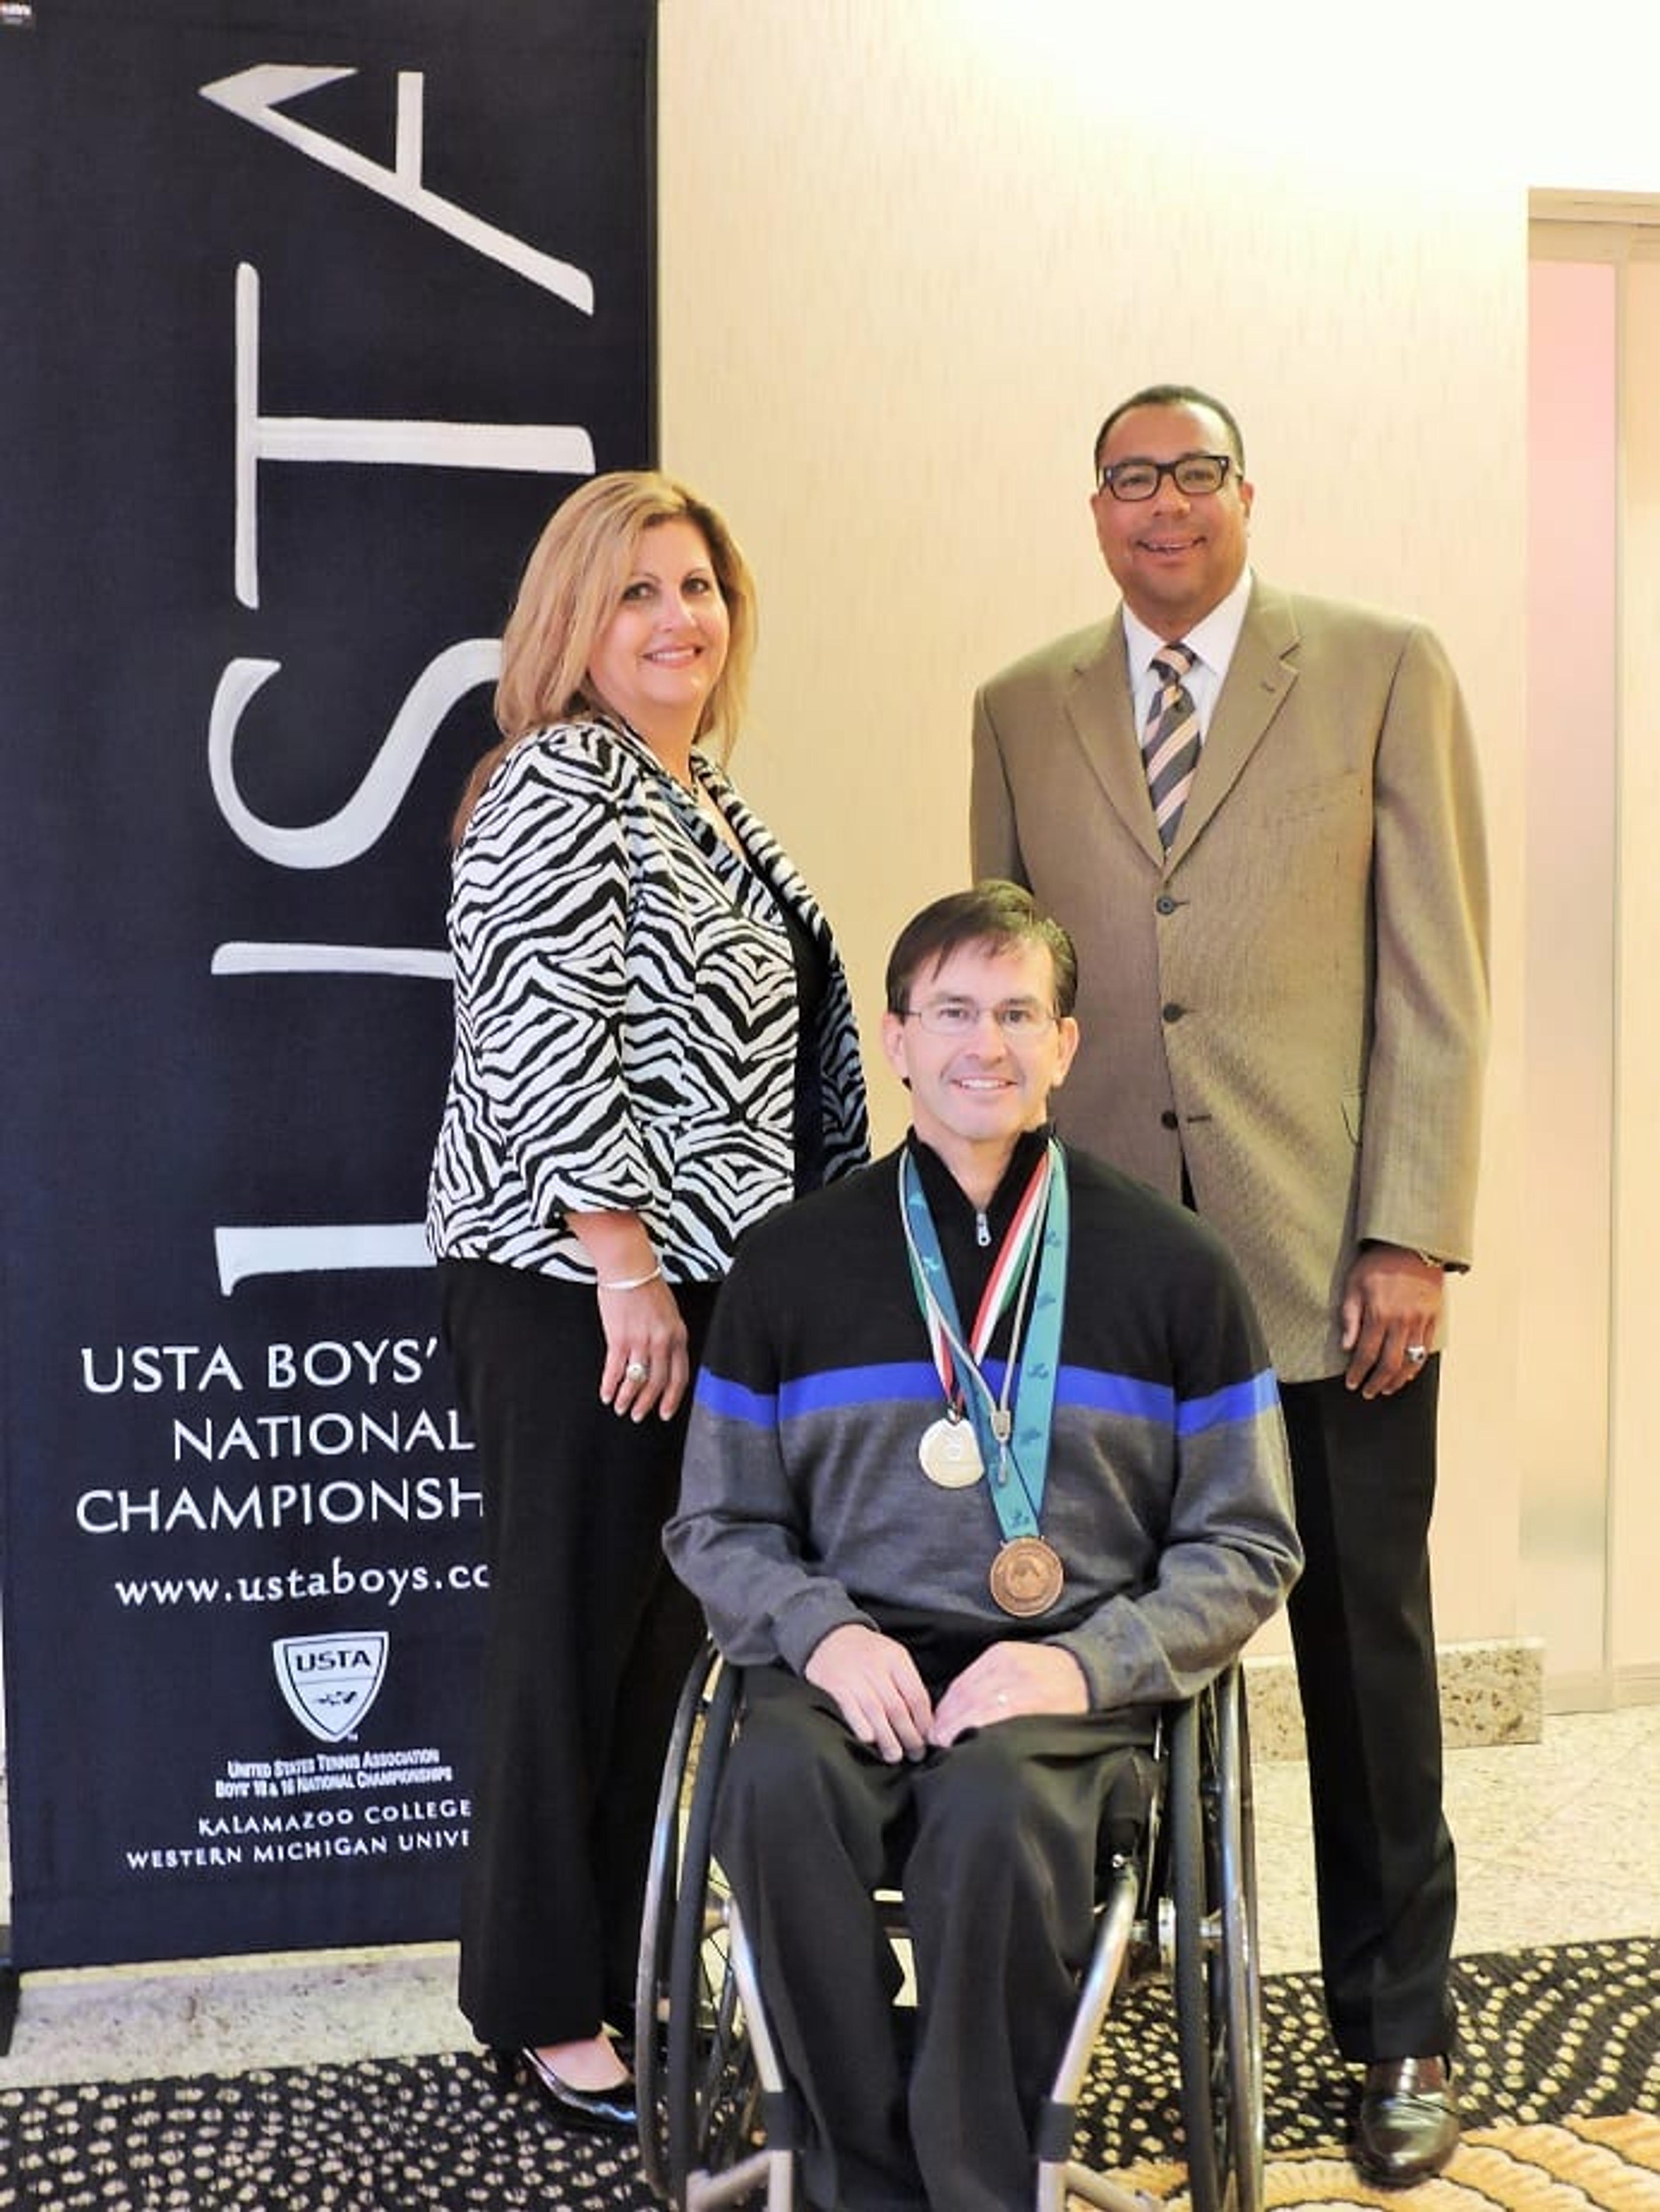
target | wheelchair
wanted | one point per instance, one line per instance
(717, 2121)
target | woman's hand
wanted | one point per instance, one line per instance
(646, 1364)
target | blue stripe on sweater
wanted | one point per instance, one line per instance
(757, 1409)
(914, 1383)
(1240, 1401)
(1125, 1397)
(909, 1382)
(894, 1383)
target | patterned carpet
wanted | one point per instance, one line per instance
(1558, 2075)
(1587, 2166)
(1558, 2080)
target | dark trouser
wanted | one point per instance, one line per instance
(588, 1639)
(995, 1841)
(1364, 1474)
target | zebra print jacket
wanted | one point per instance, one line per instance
(626, 1015)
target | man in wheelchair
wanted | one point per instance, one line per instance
(985, 1467)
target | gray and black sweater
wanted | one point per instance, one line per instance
(803, 1506)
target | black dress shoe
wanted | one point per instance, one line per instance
(612, 2110)
(1407, 2125)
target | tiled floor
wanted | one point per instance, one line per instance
(1557, 1840)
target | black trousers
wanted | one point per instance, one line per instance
(588, 1639)
(1364, 1474)
(995, 1843)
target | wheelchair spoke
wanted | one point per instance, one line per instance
(724, 2091)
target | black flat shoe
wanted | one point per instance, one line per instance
(1407, 2128)
(612, 2111)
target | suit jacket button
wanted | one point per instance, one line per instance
(1166, 904)
(1170, 1120)
(1172, 1011)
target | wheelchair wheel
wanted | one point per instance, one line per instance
(694, 2072)
(662, 1882)
(1218, 1980)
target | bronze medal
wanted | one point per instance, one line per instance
(1026, 1576)
(949, 1455)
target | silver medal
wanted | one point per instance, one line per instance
(949, 1455)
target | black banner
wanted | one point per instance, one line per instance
(311, 312)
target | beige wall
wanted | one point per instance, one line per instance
(1570, 945)
(912, 249)
(1633, 1492)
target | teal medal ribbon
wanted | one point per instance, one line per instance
(1013, 1434)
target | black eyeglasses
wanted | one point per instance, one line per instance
(1194, 474)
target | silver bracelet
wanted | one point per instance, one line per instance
(633, 1282)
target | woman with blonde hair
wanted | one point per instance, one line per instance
(655, 1047)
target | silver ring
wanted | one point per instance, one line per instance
(637, 1370)
(1417, 1353)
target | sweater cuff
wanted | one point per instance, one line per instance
(804, 1626)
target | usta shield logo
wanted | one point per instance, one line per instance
(331, 1681)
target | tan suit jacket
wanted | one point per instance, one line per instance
(1295, 999)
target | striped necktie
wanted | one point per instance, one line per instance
(1171, 747)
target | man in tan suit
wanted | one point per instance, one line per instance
(1268, 847)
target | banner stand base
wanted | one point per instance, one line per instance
(11, 1987)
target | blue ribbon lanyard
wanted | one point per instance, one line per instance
(1013, 1437)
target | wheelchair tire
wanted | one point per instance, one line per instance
(1244, 1989)
(694, 2072)
(1218, 1988)
(663, 1878)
